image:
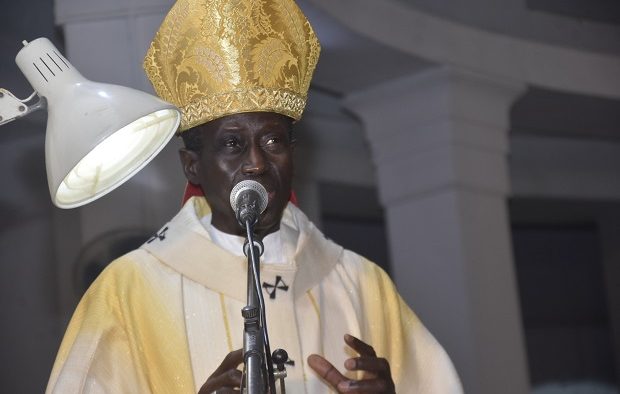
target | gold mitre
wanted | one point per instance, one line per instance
(213, 58)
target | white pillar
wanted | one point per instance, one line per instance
(439, 140)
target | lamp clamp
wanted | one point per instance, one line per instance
(12, 108)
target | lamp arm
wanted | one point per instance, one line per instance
(12, 108)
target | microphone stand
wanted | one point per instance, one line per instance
(247, 197)
(258, 375)
(256, 353)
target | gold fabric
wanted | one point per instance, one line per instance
(213, 58)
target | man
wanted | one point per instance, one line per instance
(165, 318)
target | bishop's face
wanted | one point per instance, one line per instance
(255, 146)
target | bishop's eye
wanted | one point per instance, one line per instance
(231, 142)
(274, 143)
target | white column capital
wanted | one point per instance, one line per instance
(436, 129)
(443, 90)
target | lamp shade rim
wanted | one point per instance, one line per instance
(66, 196)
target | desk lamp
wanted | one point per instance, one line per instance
(98, 135)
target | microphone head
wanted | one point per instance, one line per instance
(249, 186)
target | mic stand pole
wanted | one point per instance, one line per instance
(258, 372)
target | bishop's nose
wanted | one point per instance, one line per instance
(254, 161)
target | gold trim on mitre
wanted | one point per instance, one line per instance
(213, 58)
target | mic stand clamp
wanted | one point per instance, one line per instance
(279, 357)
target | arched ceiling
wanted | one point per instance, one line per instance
(351, 61)
(404, 28)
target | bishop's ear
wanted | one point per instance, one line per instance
(191, 165)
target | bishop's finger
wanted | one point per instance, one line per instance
(231, 361)
(360, 346)
(375, 366)
(326, 370)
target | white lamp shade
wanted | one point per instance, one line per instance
(98, 135)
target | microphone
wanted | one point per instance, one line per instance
(248, 200)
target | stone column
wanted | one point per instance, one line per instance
(439, 141)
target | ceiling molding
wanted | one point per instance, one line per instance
(438, 40)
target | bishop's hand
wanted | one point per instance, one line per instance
(377, 377)
(226, 378)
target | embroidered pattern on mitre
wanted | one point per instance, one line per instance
(213, 58)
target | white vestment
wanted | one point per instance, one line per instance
(162, 318)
